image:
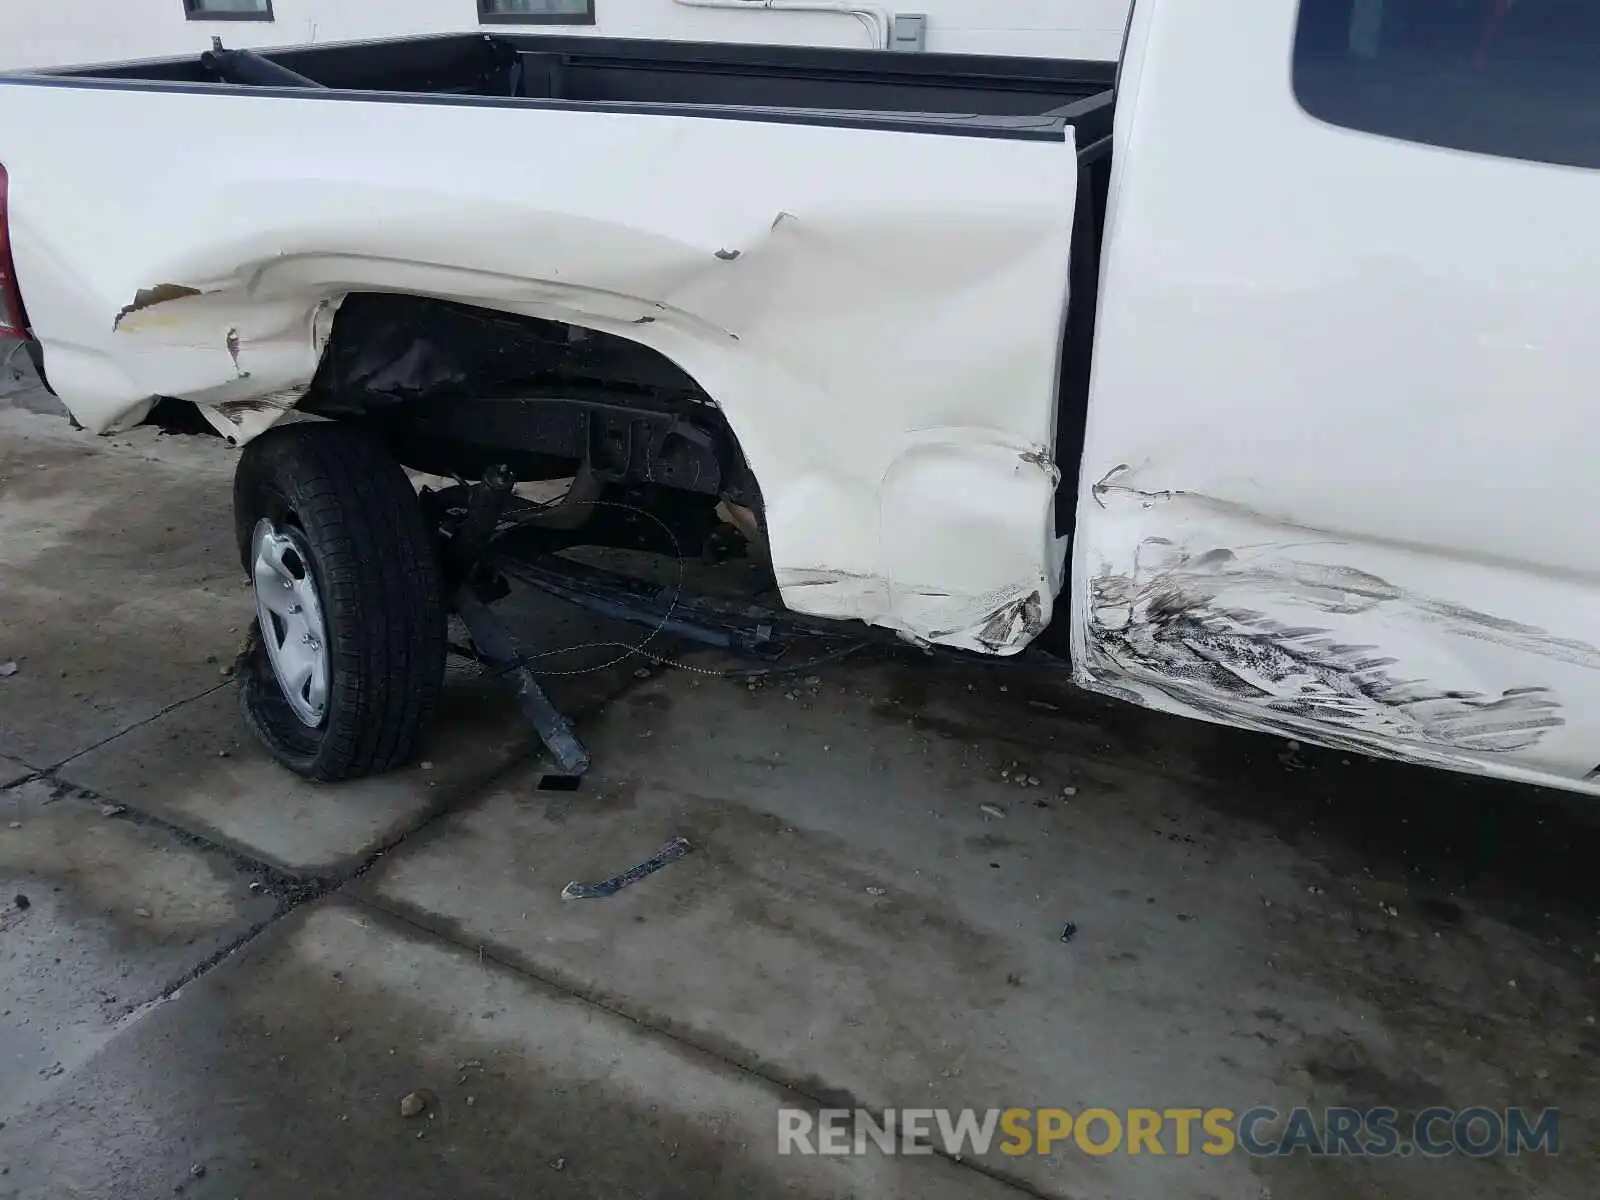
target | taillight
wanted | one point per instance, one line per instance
(13, 320)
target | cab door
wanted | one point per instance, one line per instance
(1338, 479)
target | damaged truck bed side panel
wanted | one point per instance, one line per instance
(876, 312)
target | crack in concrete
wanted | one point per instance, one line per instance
(294, 891)
(515, 964)
(139, 724)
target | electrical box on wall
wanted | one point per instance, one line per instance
(910, 33)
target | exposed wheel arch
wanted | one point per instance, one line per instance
(453, 388)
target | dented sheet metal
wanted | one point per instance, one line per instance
(1185, 618)
(877, 313)
(1204, 608)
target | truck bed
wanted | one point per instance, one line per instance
(868, 277)
(994, 96)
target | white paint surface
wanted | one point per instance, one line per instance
(1322, 350)
(878, 314)
(61, 32)
(1336, 478)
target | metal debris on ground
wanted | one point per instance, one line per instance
(112, 810)
(1069, 931)
(7, 669)
(877, 891)
(412, 1104)
(670, 853)
(991, 810)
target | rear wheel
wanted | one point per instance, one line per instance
(346, 662)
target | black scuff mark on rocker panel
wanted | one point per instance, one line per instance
(1016, 623)
(1170, 626)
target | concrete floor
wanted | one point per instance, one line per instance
(222, 981)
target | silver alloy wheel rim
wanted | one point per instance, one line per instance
(291, 619)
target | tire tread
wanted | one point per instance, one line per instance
(382, 596)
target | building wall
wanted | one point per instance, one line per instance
(63, 32)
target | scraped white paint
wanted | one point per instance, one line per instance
(1204, 608)
(878, 314)
(1346, 353)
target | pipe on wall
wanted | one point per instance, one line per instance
(875, 20)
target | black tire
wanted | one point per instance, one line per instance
(376, 570)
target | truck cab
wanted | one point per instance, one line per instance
(1282, 428)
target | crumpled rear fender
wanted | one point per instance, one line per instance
(877, 313)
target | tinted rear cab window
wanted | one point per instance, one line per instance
(1515, 78)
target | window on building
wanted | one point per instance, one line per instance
(1515, 78)
(544, 12)
(228, 10)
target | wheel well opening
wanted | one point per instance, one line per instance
(454, 389)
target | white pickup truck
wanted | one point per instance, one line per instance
(1257, 370)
